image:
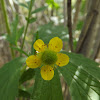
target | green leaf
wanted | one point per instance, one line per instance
(19, 33)
(9, 78)
(39, 9)
(88, 65)
(31, 20)
(12, 37)
(23, 5)
(23, 93)
(79, 25)
(82, 81)
(48, 31)
(18, 49)
(52, 4)
(16, 32)
(47, 90)
(29, 1)
(27, 75)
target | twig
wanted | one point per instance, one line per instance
(69, 24)
(87, 34)
(96, 46)
(29, 14)
(7, 24)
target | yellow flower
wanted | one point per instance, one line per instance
(47, 57)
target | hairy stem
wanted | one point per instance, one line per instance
(7, 24)
(29, 14)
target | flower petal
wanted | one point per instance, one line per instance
(47, 72)
(39, 45)
(63, 59)
(33, 61)
(55, 44)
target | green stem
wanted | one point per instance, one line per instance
(29, 14)
(7, 24)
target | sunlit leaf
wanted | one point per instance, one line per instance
(52, 4)
(82, 77)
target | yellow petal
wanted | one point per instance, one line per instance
(63, 59)
(33, 61)
(55, 44)
(39, 45)
(47, 72)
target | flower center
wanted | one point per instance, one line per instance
(49, 57)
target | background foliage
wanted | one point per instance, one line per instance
(23, 22)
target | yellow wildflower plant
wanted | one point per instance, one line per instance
(48, 57)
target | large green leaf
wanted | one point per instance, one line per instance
(47, 90)
(9, 79)
(82, 81)
(88, 65)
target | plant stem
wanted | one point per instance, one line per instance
(7, 24)
(69, 24)
(29, 14)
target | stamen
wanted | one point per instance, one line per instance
(58, 64)
(56, 47)
(49, 57)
